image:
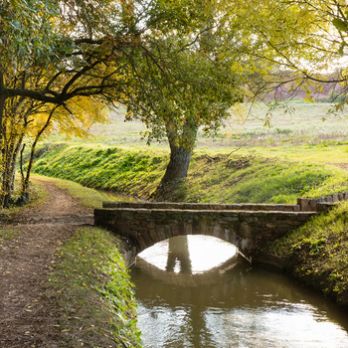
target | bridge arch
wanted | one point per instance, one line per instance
(246, 226)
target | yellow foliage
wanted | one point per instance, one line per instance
(73, 119)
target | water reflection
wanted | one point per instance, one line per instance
(178, 259)
(241, 308)
(193, 254)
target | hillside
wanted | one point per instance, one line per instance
(219, 177)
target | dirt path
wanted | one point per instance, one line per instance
(26, 315)
(343, 166)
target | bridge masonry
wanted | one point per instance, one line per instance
(248, 226)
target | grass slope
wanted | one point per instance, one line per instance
(317, 253)
(91, 286)
(218, 177)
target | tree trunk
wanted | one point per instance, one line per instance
(9, 160)
(177, 168)
(2, 155)
(172, 186)
(2, 102)
(7, 177)
(178, 250)
(26, 177)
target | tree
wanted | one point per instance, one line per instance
(195, 73)
(194, 91)
(53, 53)
(73, 120)
(57, 51)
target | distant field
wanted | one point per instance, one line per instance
(296, 123)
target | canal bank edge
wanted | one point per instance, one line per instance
(96, 297)
(316, 254)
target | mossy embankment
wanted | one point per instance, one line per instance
(317, 253)
(92, 288)
(220, 178)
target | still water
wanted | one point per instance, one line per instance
(187, 300)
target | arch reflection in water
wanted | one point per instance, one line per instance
(188, 260)
(241, 308)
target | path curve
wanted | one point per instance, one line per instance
(26, 316)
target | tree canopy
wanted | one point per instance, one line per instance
(177, 65)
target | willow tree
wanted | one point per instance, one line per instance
(303, 39)
(53, 53)
(204, 57)
(194, 91)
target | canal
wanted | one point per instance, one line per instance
(198, 292)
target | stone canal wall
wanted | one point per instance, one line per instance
(322, 203)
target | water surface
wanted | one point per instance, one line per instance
(243, 307)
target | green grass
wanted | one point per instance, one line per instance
(317, 253)
(213, 177)
(330, 152)
(88, 197)
(254, 179)
(124, 172)
(92, 288)
(7, 233)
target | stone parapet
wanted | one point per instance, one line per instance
(202, 206)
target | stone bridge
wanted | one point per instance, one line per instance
(248, 226)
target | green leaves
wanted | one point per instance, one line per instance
(340, 24)
(181, 15)
(24, 21)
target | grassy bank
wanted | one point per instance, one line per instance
(90, 282)
(317, 253)
(91, 286)
(213, 177)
